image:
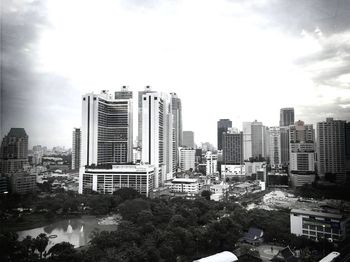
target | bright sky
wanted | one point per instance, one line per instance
(241, 60)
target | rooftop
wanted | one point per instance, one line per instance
(17, 132)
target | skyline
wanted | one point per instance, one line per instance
(222, 59)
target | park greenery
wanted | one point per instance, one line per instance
(151, 230)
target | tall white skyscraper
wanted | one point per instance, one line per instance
(157, 135)
(187, 158)
(139, 119)
(331, 148)
(275, 146)
(247, 140)
(176, 110)
(254, 140)
(302, 153)
(107, 128)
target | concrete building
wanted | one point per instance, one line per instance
(247, 140)
(223, 125)
(275, 146)
(157, 136)
(140, 94)
(76, 151)
(302, 153)
(187, 158)
(176, 110)
(331, 149)
(185, 185)
(4, 184)
(232, 147)
(22, 183)
(188, 139)
(255, 140)
(319, 224)
(284, 145)
(14, 151)
(109, 178)
(257, 169)
(287, 116)
(211, 163)
(107, 128)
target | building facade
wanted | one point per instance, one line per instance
(185, 185)
(232, 147)
(22, 183)
(139, 107)
(108, 179)
(223, 125)
(187, 158)
(211, 163)
(176, 110)
(76, 151)
(331, 149)
(188, 139)
(287, 116)
(275, 146)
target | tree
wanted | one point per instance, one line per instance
(127, 193)
(41, 242)
(206, 194)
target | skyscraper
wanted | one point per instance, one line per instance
(187, 158)
(223, 125)
(302, 153)
(139, 119)
(232, 146)
(275, 146)
(287, 116)
(331, 149)
(284, 134)
(254, 140)
(76, 152)
(188, 139)
(176, 111)
(107, 125)
(157, 134)
(14, 151)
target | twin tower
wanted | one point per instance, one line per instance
(107, 130)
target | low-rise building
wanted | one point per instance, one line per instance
(318, 224)
(185, 185)
(109, 178)
(22, 183)
(187, 158)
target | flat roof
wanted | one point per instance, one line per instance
(184, 180)
(316, 213)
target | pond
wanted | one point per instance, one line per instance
(76, 231)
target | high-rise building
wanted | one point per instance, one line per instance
(157, 135)
(331, 149)
(187, 158)
(232, 146)
(177, 119)
(284, 133)
(247, 140)
(211, 163)
(255, 140)
(14, 151)
(140, 94)
(107, 128)
(302, 153)
(275, 146)
(287, 116)
(223, 125)
(188, 139)
(76, 152)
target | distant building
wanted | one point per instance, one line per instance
(232, 147)
(76, 142)
(319, 224)
(22, 183)
(188, 139)
(14, 151)
(212, 162)
(187, 158)
(302, 154)
(256, 170)
(140, 94)
(198, 157)
(277, 179)
(185, 185)
(287, 116)
(331, 149)
(107, 179)
(223, 125)
(254, 236)
(275, 146)
(176, 110)
(284, 145)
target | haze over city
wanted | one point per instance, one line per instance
(242, 60)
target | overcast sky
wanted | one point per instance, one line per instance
(236, 59)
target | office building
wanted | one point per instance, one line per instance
(287, 116)
(232, 146)
(211, 163)
(22, 183)
(140, 94)
(76, 141)
(176, 110)
(4, 184)
(319, 224)
(110, 178)
(302, 153)
(157, 135)
(275, 146)
(107, 128)
(223, 125)
(284, 135)
(188, 139)
(14, 151)
(187, 158)
(185, 185)
(331, 149)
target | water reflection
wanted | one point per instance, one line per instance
(76, 231)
